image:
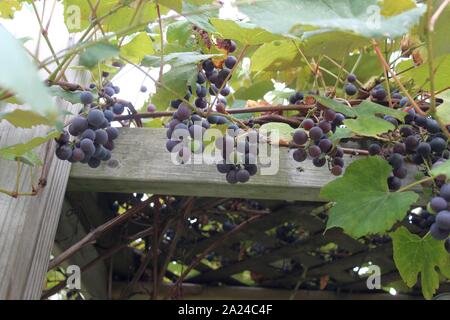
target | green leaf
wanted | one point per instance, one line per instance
(443, 110)
(200, 15)
(275, 56)
(255, 92)
(176, 5)
(178, 31)
(442, 169)
(19, 75)
(420, 74)
(356, 16)
(244, 33)
(25, 118)
(183, 72)
(394, 7)
(97, 53)
(70, 96)
(8, 8)
(341, 133)
(368, 124)
(23, 151)
(285, 131)
(414, 255)
(78, 14)
(137, 48)
(369, 208)
(335, 44)
(336, 106)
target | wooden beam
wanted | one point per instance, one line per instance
(200, 292)
(141, 163)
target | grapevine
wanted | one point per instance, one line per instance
(370, 111)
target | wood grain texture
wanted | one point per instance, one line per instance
(141, 163)
(28, 224)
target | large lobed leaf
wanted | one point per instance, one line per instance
(414, 255)
(356, 16)
(367, 123)
(364, 204)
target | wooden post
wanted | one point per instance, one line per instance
(28, 224)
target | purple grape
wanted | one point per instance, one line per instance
(374, 149)
(308, 124)
(351, 78)
(319, 162)
(77, 155)
(438, 204)
(230, 61)
(109, 91)
(78, 125)
(350, 89)
(232, 177)
(95, 118)
(445, 191)
(336, 170)
(183, 113)
(87, 146)
(86, 97)
(316, 133)
(109, 115)
(314, 151)
(143, 89)
(300, 155)
(101, 136)
(300, 137)
(437, 233)
(329, 115)
(64, 152)
(325, 145)
(242, 176)
(151, 108)
(113, 133)
(118, 108)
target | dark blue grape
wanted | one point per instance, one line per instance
(95, 118)
(64, 152)
(350, 89)
(230, 61)
(118, 108)
(101, 136)
(86, 97)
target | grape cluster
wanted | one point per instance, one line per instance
(89, 138)
(420, 141)
(440, 229)
(312, 140)
(186, 128)
(239, 151)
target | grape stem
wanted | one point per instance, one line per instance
(415, 183)
(402, 88)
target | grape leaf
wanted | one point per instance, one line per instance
(255, 91)
(341, 133)
(137, 48)
(70, 96)
(414, 255)
(368, 124)
(183, 72)
(442, 169)
(8, 8)
(25, 118)
(420, 74)
(336, 106)
(97, 53)
(20, 76)
(201, 15)
(275, 56)
(369, 208)
(356, 16)
(23, 151)
(443, 110)
(284, 130)
(394, 7)
(245, 33)
(176, 5)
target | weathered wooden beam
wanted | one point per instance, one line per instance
(199, 292)
(141, 163)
